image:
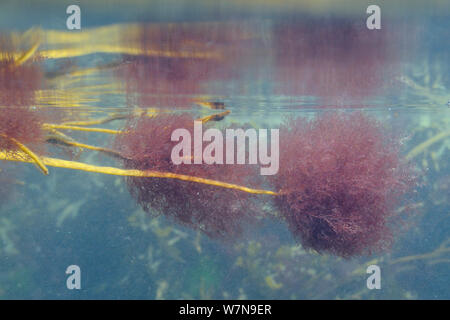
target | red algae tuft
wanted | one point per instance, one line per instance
(216, 211)
(340, 180)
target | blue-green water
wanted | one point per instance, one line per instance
(90, 220)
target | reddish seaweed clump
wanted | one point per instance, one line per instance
(18, 84)
(341, 179)
(22, 124)
(218, 212)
